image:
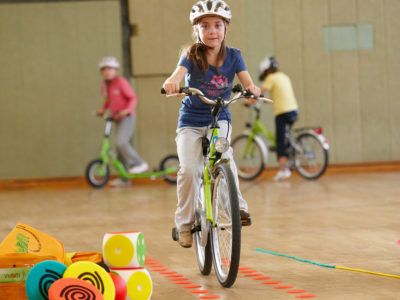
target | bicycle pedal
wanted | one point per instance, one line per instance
(246, 222)
(196, 229)
(175, 234)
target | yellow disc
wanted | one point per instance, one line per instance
(139, 286)
(93, 274)
(119, 251)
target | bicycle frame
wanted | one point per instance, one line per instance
(207, 179)
(258, 130)
(213, 159)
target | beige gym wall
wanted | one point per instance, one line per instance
(352, 94)
(49, 84)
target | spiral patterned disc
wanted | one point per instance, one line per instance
(73, 289)
(93, 274)
(41, 277)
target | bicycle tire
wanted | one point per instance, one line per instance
(251, 165)
(226, 261)
(203, 254)
(91, 174)
(312, 163)
(168, 162)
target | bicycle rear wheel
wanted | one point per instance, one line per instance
(225, 236)
(312, 161)
(203, 249)
(248, 157)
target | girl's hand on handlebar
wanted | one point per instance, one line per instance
(255, 91)
(171, 87)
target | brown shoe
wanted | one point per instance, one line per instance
(185, 239)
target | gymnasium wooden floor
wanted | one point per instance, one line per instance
(346, 218)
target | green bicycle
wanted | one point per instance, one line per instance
(308, 150)
(98, 172)
(217, 228)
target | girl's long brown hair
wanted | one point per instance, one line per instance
(197, 53)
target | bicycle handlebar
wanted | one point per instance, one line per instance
(237, 89)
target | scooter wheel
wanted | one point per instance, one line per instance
(171, 162)
(97, 174)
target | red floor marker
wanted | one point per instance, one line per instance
(296, 291)
(179, 279)
(262, 278)
(191, 286)
(200, 292)
(272, 282)
(183, 282)
(253, 275)
(174, 276)
(247, 271)
(244, 268)
(168, 272)
(283, 287)
(306, 296)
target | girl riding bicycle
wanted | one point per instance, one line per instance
(210, 66)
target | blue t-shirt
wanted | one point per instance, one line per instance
(194, 112)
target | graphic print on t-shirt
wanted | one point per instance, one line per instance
(216, 87)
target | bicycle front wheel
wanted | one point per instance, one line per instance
(225, 235)
(248, 157)
(201, 236)
(312, 161)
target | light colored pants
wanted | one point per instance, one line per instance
(191, 162)
(123, 134)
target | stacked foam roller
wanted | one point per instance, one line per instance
(125, 253)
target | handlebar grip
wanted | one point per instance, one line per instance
(181, 90)
(261, 95)
(237, 88)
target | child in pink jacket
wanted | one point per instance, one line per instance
(120, 100)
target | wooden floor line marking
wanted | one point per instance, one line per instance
(277, 285)
(179, 280)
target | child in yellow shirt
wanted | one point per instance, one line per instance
(285, 108)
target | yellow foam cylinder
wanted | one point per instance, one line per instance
(138, 282)
(124, 249)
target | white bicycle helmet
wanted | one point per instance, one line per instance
(108, 61)
(267, 63)
(207, 8)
